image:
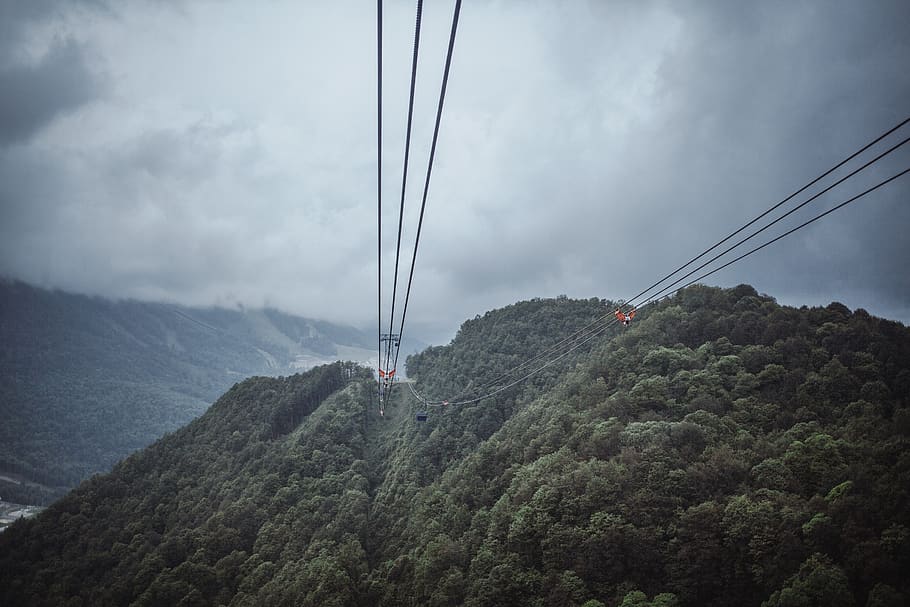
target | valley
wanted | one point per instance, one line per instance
(85, 381)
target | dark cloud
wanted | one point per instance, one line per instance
(38, 83)
(17, 17)
(661, 131)
(589, 151)
(778, 92)
(33, 95)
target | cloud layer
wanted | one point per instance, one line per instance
(225, 152)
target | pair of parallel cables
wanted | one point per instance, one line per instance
(599, 326)
(389, 343)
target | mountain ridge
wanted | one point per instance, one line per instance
(86, 380)
(722, 450)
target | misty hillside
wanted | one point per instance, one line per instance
(85, 381)
(723, 450)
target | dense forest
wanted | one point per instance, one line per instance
(723, 450)
(85, 381)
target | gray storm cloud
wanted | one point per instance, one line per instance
(225, 152)
(44, 72)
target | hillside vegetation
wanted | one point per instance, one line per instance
(86, 381)
(724, 450)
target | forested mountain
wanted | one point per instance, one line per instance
(85, 381)
(723, 450)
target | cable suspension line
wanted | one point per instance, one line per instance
(580, 337)
(670, 291)
(577, 335)
(586, 334)
(389, 363)
(785, 234)
(404, 181)
(776, 206)
(537, 370)
(426, 185)
(607, 316)
(379, 190)
(791, 211)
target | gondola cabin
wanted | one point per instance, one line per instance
(421, 416)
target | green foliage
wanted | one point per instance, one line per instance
(637, 598)
(722, 450)
(276, 517)
(819, 583)
(884, 595)
(86, 381)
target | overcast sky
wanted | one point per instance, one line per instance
(225, 152)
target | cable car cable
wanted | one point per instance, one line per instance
(426, 185)
(578, 334)
(591, 336)
(379, 184)
(785, 200)
(791, 211)
(753, 221)
(787, 233)
(668, 291)
(404, 177)
(668, 294)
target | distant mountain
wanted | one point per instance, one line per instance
(85, 381)
(722, 450)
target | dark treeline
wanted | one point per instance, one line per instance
(723, 450)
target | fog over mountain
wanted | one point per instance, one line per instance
(85, 381)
